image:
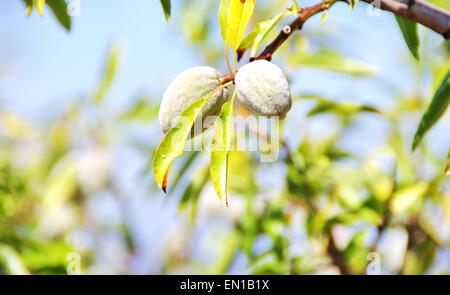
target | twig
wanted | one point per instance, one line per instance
(305, 14)
(337, 258)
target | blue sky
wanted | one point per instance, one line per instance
(45, 65)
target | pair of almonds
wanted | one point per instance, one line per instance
(260, 85)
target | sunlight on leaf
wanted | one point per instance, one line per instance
(239, 15)
(39, 5)
(223, 136)
(324, 17)
(261, 31)
(409, 198)
(224, 9)
(352, 3)
(173, 142)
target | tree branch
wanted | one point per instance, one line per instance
(419, 11)
(305, 14)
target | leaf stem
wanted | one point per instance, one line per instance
(226, 57)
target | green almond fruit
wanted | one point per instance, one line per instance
(191, 85)
(263, 87)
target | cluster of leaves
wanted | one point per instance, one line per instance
(441, 98)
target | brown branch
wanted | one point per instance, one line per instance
(304, 15)
(337, 257)
(419, 11)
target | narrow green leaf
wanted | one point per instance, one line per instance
(295, 8)
(331, 61)
(190, 159)
(345, 109)
(408, 198)
(223, 137)
(166, 7)
(59, 8)
(39, 5)
(352, 3)
(173, 142)
(239, 15)
(111, 66)
(191, 195)
(28, 6)
(324, 17)
(435, 110)
(144, 110)
(410, 34)
(246, 43)
(224, 9)
(264, 29)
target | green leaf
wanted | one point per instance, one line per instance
(223, 137)
(166, 7)
(173, 142)
(59, 8)
(111, 65)
(28, 6)
(345, 108)
(435, 110)
(409, 198)
(260, 32)
(352, 3)
(332, 61)
(144, 110)
(188, 161)
(224, 9)
(410, 34)
(39, 5)
(230, 246)
(191, 195)
(324, 17)
(239, 15)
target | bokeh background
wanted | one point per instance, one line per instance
(78, 128)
